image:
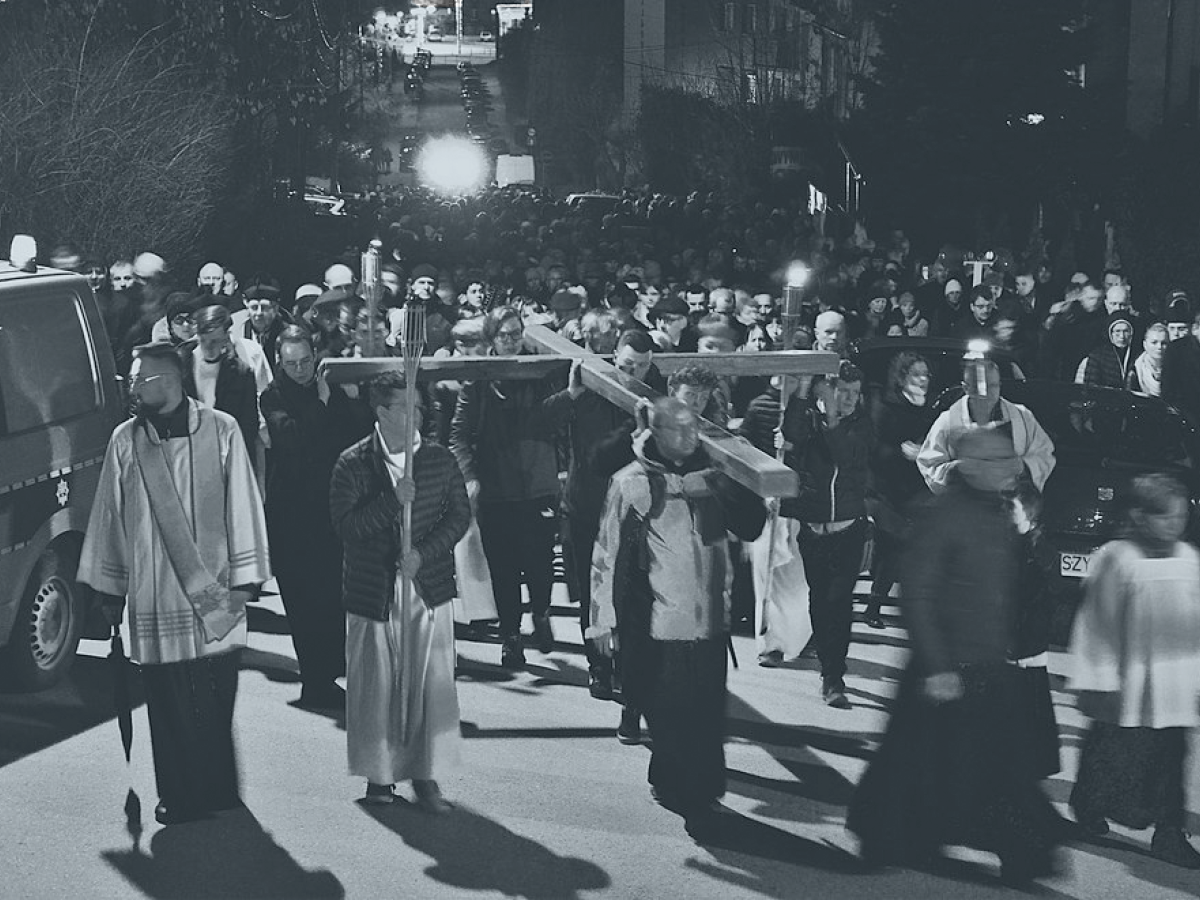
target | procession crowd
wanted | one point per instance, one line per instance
(380, 545)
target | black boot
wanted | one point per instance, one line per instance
(1170, 844)
(871, 616)
(543, 634)
(512, 654)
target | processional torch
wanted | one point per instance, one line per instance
(790, 320)
(372, 291)
(412, 345)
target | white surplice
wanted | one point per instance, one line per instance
(781, 619)
(396, 670)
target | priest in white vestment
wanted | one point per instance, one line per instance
(177, 534)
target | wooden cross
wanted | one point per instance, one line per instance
(729, 453)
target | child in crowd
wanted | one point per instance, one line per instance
(1136, 662)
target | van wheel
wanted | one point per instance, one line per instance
(45, 634)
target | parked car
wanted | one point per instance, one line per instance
(60, 399)
(486, 36)
(593, 204)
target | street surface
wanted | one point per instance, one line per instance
(440, 111)
(549, 804)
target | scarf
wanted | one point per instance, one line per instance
(1149, 375)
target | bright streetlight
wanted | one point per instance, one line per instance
(452, 166)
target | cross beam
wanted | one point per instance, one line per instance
(522, 368)
(735, 456)
(729, 453)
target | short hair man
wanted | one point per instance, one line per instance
(120, 275)
(830, 442)
(699, 389)
(665, 522)
(211, 278)
(228, 373)
(177, 534)
(310, 422)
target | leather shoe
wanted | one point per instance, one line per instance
(1171, 845)
(629, 732)
(429, 796)
(543, 634)
(833, 692)
(325, 696)
(512, 654)
(600, 687)
(379, 794)
(175, 815)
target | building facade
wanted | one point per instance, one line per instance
(755, 51)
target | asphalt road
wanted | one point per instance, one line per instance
(438, 113)
(549, 804)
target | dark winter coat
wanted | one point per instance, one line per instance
(592, 421)
(1181, 376)
(236, 394)
(307, 437)
(503, 436)
(367, 516)
(761, 419)
(897, 479)
(834, 464)
(960, 581)
(1109, 367)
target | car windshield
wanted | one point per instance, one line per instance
(1113, 430)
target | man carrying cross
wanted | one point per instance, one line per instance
(661, 577)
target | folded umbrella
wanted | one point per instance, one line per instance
(121, 672)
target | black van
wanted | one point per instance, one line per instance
(60, 400)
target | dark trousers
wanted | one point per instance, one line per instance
(190, 705)
(518, 541)
(831, 565)
(1134, 776)
(311, 587)
(686, 716)
(578, 541)
(888, 554)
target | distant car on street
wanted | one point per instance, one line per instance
(486, 36)
(593, 204)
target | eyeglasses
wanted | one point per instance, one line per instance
(510, 334)
(297, 364)
(182, 319)
(140, 380)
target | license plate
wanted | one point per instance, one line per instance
(1073, 565)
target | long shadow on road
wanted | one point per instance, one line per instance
(30, 723)
(227, 856)
(474, 853)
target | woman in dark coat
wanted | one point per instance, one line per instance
(902, 419)
(954, 764)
